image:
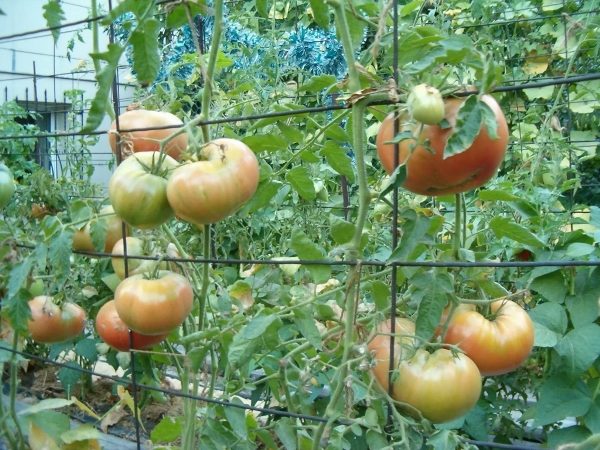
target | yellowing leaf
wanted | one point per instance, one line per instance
(534, 64)
(242, 291)
(40, 440)
(85, 408)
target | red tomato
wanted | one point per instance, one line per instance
(379, 346)
(138, 189)
(441, 385)
(82, 239)
(497, 346)
(50, 323)
(115, 333)
(428, 173)
(207, 191)
(147, 140)
(154, 306)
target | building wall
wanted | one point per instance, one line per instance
(40, 74)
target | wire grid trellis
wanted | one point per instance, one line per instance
(513, 85)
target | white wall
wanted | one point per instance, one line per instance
(56, 73)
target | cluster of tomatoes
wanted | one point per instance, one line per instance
(445, 384)
(148, 188)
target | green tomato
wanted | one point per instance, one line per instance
(425, 104)
(138, 189)
(7, 185)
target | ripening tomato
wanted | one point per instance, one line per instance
(138, 189)
(379, 347)
(115, 333)
(50, 323)
(154, 306)
(147, 139)
(135, 247)
(497, 345)
(7, 185)
(428, 173)
(82, 238)
(207, 191)
(443, 386)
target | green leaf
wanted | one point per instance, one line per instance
(552, 286)
(80, 212)
(396, 180)
(443, 440)
(496, 195)
(69, 376)
(432, 288)
(259, 334)
(46, 404)
(318, 82)
(146, 58)
(98, 232)
(320, 12)
(86, 348)
(263, 196)
(18, 275)
(579, 249)
(104, 78)
(583, 306)
(265, 143)
(52, 423)
(550, 323)
(18, 310)
(380, 292)
(300, 179)
(285, 431)
(236, 418)
(178, 17)
(579, 348)
(304, 320)
(134, 6)
(560, 398)
(338, 159)
(468, 126)
(306, 249)
(262, 8)
(504, 227)
(410, 7)
(414, 232)
(54, 15)
(342, 231)
(81, 433)
(111, 281)
(167, 430)
(489, 120)
(59, 253)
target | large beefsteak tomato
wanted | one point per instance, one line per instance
(138, 189)
(82, 238)
(115, 333)
(441, 385)
(207, 191)
(427, 171)
(150, 126)
(497, 346)
(154, 306)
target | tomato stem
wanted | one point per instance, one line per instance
(456, 241)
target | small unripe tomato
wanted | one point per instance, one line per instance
(7, 185)
(425, 104)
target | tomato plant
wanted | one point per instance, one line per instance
(441, 385)
(147, 139)
(379, 347)
(135, 247)
(50, 323)
(115, 333)
(7, 185)
(428, 171)
(138, 189)
(154, 306)
(82, 238)
(210, 190)
(425, 104)
(497, 345)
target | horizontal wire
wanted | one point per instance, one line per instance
(526, 19)
(331, 262)
(317, 109)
